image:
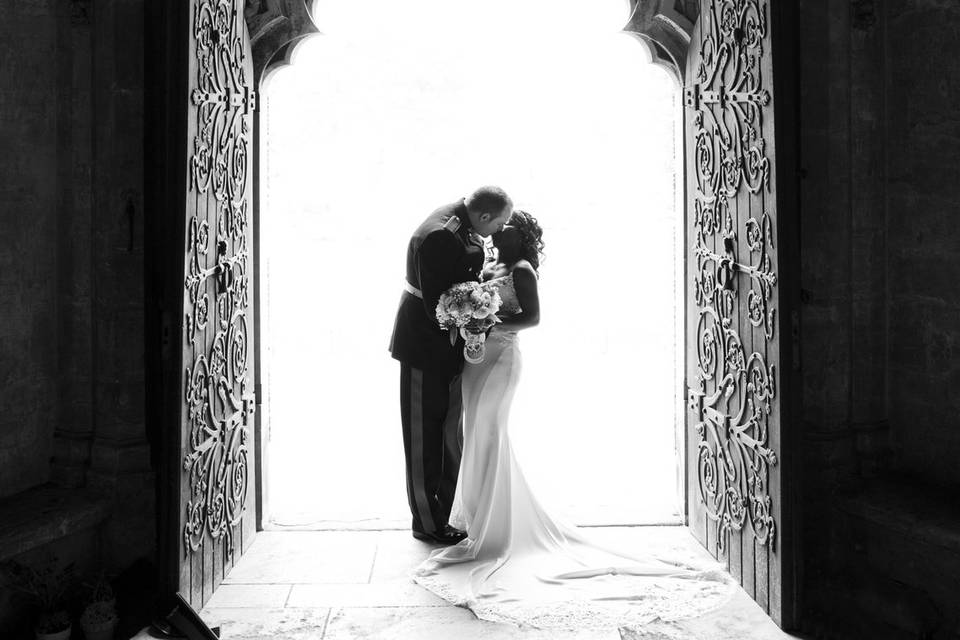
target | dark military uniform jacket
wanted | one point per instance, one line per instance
(441, 253)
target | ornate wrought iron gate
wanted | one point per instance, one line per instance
(216, 453)
(735, 297)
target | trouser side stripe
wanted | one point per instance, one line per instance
(416, 446)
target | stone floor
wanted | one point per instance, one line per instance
(340, 585)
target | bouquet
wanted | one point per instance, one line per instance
(470, 308)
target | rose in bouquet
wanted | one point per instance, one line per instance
(470, 308)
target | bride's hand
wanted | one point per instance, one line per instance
(493, 270)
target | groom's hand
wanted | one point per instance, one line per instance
(490, 328)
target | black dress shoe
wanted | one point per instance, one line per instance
(449, 535)
(461, 534)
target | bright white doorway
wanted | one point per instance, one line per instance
(401, 107)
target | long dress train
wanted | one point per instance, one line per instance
(520, 565)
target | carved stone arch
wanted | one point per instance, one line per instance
(275, 28)
(665, 26)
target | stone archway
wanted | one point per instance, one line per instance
(276, 26)
(275, 29)
(725, 497)
(665, 26)
(582, 85)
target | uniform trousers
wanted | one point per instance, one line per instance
(431, 414)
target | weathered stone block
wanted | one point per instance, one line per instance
(28, 172)
(895, 549)
(44, 514)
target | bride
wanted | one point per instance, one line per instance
(518, 563)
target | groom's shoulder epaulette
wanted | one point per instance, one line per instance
(452, 224)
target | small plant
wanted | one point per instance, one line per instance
(97, 613)
(47, 585)
(52, 622)
(99, 620)
(100, 590)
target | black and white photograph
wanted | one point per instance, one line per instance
(501, 320)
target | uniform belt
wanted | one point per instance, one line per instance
(412, 290)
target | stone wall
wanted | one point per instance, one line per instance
(880, 309)
(880, 189)
(845, 426)
(922, 83)
(843, 239)
(120, 455)
(28, 243)
(74, 422)
(71, 258)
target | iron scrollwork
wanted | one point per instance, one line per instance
(733, 390)
(217, 383)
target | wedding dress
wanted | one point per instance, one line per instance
(521, 565)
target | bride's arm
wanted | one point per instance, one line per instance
(525, 282)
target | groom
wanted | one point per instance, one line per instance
(445, 249)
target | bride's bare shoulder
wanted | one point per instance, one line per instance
(524, 266)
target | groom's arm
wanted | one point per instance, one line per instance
(437, 259)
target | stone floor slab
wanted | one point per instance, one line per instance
(398, 593)
(261, 624)
(341, 585)
(398, 553)
(250, 596)
(740, 619)
(303, 557)
(421, 623)
(669, 541)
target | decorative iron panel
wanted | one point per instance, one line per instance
(218, 384)
(732, 389)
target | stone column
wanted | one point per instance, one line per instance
(28, 247)
(829, 459)
(74, 425)
(120, 460)
(922, 82)
(843, 268)
(868, 228)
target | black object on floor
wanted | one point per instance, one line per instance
(184, 622)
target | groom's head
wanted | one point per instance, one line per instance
(489, 208)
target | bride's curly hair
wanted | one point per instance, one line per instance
(531, 236)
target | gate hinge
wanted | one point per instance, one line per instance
(691, 96)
